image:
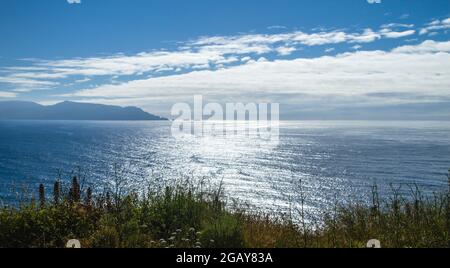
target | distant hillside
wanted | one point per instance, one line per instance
(22, 110)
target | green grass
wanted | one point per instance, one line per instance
(182, 216)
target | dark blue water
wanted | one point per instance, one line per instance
(330, 159)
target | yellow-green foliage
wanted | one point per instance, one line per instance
(184, 217)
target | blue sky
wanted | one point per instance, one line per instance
(312, 57)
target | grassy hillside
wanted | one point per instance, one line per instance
(183, 216)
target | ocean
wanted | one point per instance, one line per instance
(322, 161)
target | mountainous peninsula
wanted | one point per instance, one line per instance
(23, 110)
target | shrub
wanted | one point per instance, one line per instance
(224, 232)
(182, 217)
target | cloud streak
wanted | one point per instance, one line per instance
(204, 53)
(7, 94)
(253, 67)
(407, 70)
(435, 26)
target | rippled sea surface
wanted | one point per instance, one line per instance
(332, 160)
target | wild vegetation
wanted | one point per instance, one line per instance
(183, 216)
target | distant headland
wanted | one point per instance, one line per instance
(25, 110)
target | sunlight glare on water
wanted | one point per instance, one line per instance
(332, 160)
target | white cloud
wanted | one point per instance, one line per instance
(391, 34)
(202, 53)
(262, 43)
(24, 84)
(435, 25)
(276, 27)
(84, 80)
(284, 51)
(37, 75)
(405, 16)
(414, 70)
(131, 65)
(428, 46)
(397, 25)
(4, 94)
